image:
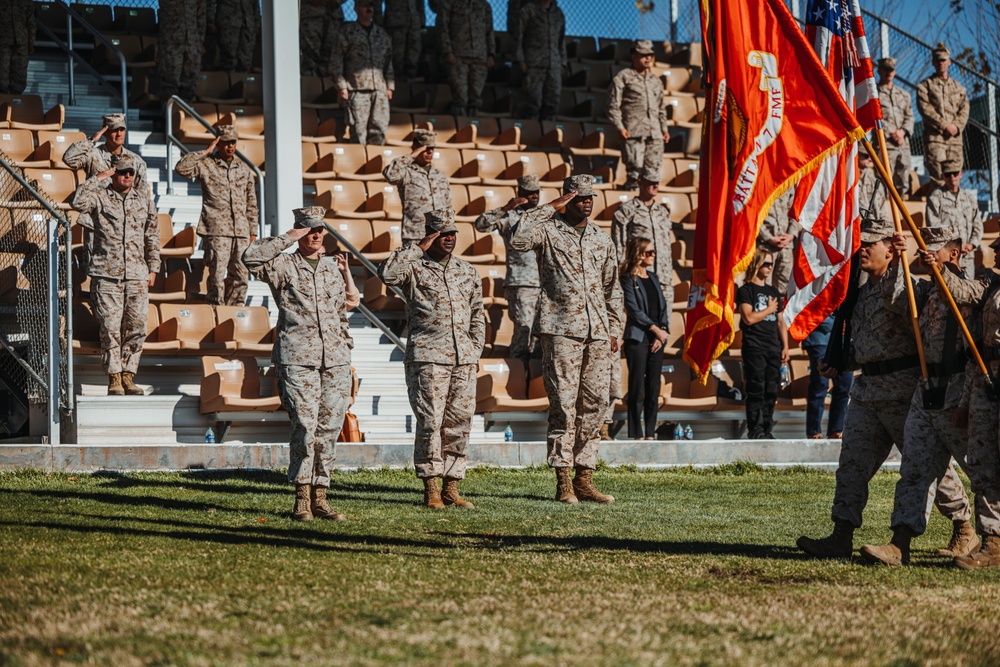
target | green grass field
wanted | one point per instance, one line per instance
(687, 568)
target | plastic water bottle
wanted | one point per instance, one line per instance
(785, 378)
(678, 432)
(688, 432)
(508, 434)
(209, 435)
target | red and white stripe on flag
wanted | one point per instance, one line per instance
(825, 203)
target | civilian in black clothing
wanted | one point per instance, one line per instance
(765, 343)
(646, 329)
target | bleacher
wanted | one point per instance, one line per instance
(482, 158)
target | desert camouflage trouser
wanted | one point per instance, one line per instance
(642, 153)
(522, 306)
(236, 43)
(984, 456)
(178, 66)
(443, 400)
(227, 274)
(13, 68)
(870, 430)
(575, 374)
(938, 150)
(316, 400)
(405, 50)
(467, 78)
(121, 307)
(930, 441)
(542, 88)
(368, 116)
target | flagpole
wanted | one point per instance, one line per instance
(935, 271)
(914, 315)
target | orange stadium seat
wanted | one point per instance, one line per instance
(448, 132)
(475, 248)
(248, 326)
(86, 329)
(193, 325)
(386, 235)
(680, 391)
(188, 129)
(351, 163)
(25, 112)
(154, 344)
(379, 157)
(233, 385)
(20, 146)
(484, 198)
(317, 130)
(53, 144)
(172, 287)
(248, 119)
(578, 48)
(455, 164)
(378, 297)
(345, 199)
(562, 134)
(502, 386)
(59, 184)
(179, 245)
(400, 130)
(98, 16)
(136, 20)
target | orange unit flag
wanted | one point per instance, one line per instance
(772, 115)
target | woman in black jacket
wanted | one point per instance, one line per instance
(646, 330)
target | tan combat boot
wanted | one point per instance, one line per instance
(840, 543)
(896, 552)
(321, 508)
(585, 489)
(987, 556)
(432, 494)
(130, 387)
(964, 541)
(449, 494)
(115, 385)
(564, 487)
(303, 503)
(605, 431)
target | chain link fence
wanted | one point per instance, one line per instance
(25, 302)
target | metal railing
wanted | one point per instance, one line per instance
(371, 268)
(48, 364)
(174, 141)
(73, 57)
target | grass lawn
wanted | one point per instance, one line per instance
(687, 568)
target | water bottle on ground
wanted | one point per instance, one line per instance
(209, 435)
(678, 432)
(508, 434)
(688, 432)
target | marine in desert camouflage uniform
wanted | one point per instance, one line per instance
(944, 107)
(884, 348)
(17, 42)
(228, 215)
(465, 29)
(579, 323)
(180, 38)
(521, 288)
(404, 20)
(540, 54)
(319, 22)
(362, 68)
(444, 307)
(235, 24)
(125, 260)
(930, 438)
(949, 205)
(644, 217)
(635, 108)
(779, 233)
(312, 351)
(979, 411)
(897, 121)
(422, 188)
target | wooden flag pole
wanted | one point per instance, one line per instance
(904, 261)
(935, 271)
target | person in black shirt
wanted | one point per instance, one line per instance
(765, 343)
(646, 328)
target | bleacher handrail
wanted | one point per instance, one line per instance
(57, 348)
(361, 308)
(174, 141)
(108, 44)
(68, 49)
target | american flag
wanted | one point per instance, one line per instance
(825, 203)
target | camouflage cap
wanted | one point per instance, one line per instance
(581, 184)
(876, 229)
(650, 175)
(888, 64)
(441, 220)
(114, 121)
(643, 47)
(935, 238)
(951, 166)
(529, 183)
(125, 161)
(941, 52)
(424, 138)
(227, 132)
(309, 217)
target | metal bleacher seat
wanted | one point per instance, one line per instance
(19, 145)
(248, 326)
(25, 112)
(232, 384)
(52, 144)
(193, 326)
